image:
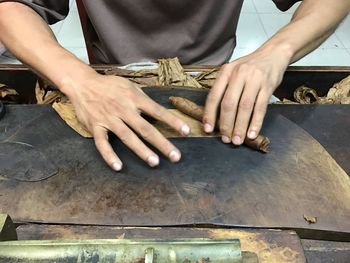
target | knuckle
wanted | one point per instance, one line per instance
(212, 97)
(225, 129)
(227, 105)
(246, 104)
(260, 108)
(146, 131)
(225, 67)
(242, 68)
(124, 135)
(99, 142)
(258, 73)
(160, 112)
(239, 132)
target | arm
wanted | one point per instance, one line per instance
(244, 86)
(102, 103)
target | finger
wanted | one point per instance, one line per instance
(129, 138)
(153, 136)
(214, 98)
(258, 114)
(245, 109)
(229, 106)
(105, 149)
(158, 112)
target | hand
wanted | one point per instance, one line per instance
(110, 103)
(243, 89)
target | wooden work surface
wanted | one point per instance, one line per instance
(234, 187)
(258, 246)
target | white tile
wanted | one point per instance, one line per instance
(80, 52)
(343, 32)
(326, 57)
(293, 8)
(250, 32)
(8, 60)
(56, 28)
(248, 7)
(268, 6)
(273, 22)
(71, 34)
(332, 42)
(73, 7)
(240, 52)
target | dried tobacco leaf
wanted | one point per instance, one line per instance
(305, 95)
(67, 113)
(171, 73)
(212, 74)
(45, 94)
(6, 91)
(340, 92)
(310, 219)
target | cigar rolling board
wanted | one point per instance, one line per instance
(70, 192)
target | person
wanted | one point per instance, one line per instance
(198, 32)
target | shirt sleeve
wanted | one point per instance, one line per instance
(284, 5)
(50, 10)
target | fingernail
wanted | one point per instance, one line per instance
(225, 139)
(236, 140)
(116, 166)
(174, 156)
(252, 134)
(153, 160)
(208, 128)
(185, 130)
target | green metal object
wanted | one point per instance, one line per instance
(199, 250)
(7, 228)
(123, 250)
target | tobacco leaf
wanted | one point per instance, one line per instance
(127, 73)
(7, 91)
(146, 81)
(310, 219)
(305, 95)
(67, 113)
(339, 93)
(45, 94)
(212, 74)
(171, 73)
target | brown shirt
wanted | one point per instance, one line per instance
(125, 31)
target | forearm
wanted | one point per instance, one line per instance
(313, 22)
(31, 40)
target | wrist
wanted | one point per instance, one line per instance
(73, 76)
(282, 48)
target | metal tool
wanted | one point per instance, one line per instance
(2, 109)
(118, 250)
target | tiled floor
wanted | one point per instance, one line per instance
(259, 20)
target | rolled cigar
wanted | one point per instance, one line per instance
(188, 107)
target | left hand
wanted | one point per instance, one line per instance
(243, 89)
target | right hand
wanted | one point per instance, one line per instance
(111, 103)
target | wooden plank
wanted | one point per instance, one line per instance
(317, 251)
(258, 245)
